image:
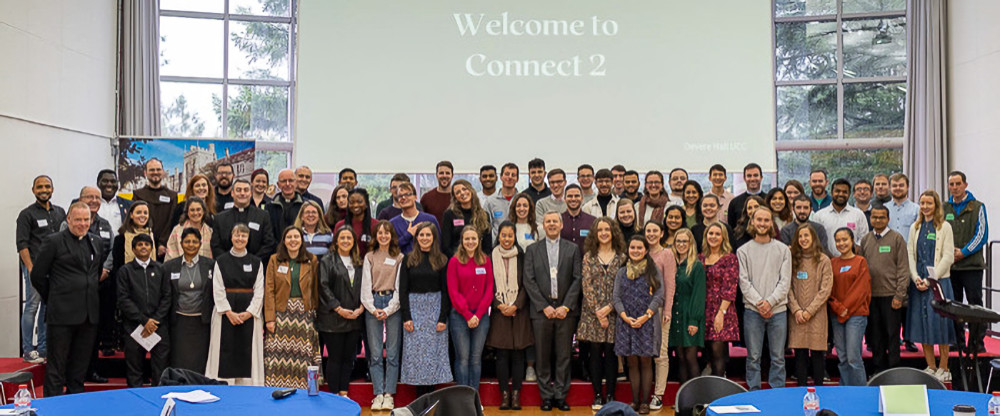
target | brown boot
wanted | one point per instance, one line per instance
(504, 400)
(515, 400)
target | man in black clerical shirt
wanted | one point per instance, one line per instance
(144, 298)
(261, 241)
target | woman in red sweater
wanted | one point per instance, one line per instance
(852, 291)
(470, 287)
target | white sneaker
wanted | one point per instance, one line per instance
(655, 403)
(931, 371)
(943, 375)
(377, 403)
(387, 402)
(529, 374)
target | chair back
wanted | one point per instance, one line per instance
(906, 376)
(449, 401)
(703, 390)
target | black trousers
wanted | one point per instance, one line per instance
(69, 348)
(135, 357)
(603, 366)
(806, 359)
(510, 369)
(883, 332)
(341, 350)
(971, 282)
(553, 344)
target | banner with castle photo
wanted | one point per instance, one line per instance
(182, 159)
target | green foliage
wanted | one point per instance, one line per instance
(178, 121)
(128, 149)
(852, 164)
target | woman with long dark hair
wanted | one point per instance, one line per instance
(779, 203)
(359, 218)
(191, 308)
(849, 299)
(638, 297)
(194, 216)
(470, 288)
(340, 308)
(337, 210)
(654, 232)
(742, 228)
(465, 210)
(692, 203)
(807, 298)
(510, 325)
(380, 296)
(522, 214)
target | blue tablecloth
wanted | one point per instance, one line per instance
(846, 401)
(234, 400)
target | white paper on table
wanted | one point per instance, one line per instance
(148, 342)
(740, 408)
(168, 408)
(194, 396)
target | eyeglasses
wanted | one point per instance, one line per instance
(406, 195)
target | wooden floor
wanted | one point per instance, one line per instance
(533, 411)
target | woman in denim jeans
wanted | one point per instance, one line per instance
(380, 297)
(470, 287)
(849, 299)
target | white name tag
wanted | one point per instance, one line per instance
(553, 272)
(164, 199)
(282, 269)
(43, 223)
(175, 276)
(105, 234)
(480, 271)
(254, 226)
(227, 205)
(365, 238)
(390, 262)
(248, 268)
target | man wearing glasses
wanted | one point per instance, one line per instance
(605, 203)
(585, 177)
(406, 222)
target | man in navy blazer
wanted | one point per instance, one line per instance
(552, 278)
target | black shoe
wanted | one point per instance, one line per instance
(547, 405)
(515, 400)
(980, 349)
(910, 347)
(107, 352)
(598, 402)
(95, 378)
(504, 400)
(563, 406)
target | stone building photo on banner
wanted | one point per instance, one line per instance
(182, 159)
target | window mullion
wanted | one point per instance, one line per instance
(840, 70)
(225, 71)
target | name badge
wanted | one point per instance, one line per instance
(227, 205)
(43, 223)
(282, 269)
(175, 276)
(949, 217)
(458, 222)
(248, 268)
(365, 238)
(845, 269)
(884, 249)
(528, 236)
(852, 225)
(802, 275)
(932, 236)
(553, 272)
(498, 214)
(105, 234)
(390, 262)
(254, 226)
(480, 271)
(164, 199)
(584, 233)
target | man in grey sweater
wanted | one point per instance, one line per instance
(765, 276)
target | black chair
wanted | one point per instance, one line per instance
(702, 391)
(449, 401)
(183, 377)
(906, 376)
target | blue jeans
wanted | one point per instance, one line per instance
(847, 339)
(384, 372)
(776, 328)
(32, 305)
(469, 345)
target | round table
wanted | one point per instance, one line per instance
(846, 401)
(233, 400)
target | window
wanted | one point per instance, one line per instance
(840, 87)
(227, 70)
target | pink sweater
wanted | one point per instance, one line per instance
(470, 287)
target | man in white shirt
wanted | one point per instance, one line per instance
(839, 214)
(605, 203)
(554, 202)
(498, 205)
(488, 181)
(113, 208)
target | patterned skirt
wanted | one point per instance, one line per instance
(292, 348)
(425, 350)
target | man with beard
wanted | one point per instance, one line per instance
(261, 239)
(585, 177)
(223, 187)
(678, 177)
(36, 222)
(802, 209)
(618, 179)
(839, 214)
(606, 202)
(554, 202)
(437, 200)
(880, 186)
(576, 223)
(765, 277)
(114, 209)
(902, 211)
(537, 188)
(304, 178)
(498, 204)
(817, 182)
(631, 185)
(967, 217)
(284, 207)
(488, 181)
(348, 178)
(752, 177)
(162, 203)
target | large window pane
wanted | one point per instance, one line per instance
(258, 50)
(260, 7)
(784, 8)
(258, 112)
(273, 161)
(807, 112)
(191, 47)
(874, 110)
(187, 110)
(805, 50)
(868, 6)
(850, 164)
(875, 48)
(210, 6)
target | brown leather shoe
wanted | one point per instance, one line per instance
(644, 409)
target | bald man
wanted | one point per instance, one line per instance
(286, 204)
(303, 178)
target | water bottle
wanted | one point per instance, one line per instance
(810, 403)
(994, 406)
(22, 400)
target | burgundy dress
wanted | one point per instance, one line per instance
(721, 283)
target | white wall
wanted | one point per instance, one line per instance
(57, 110)
(974, 106)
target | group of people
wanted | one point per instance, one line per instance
(249, 287)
